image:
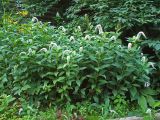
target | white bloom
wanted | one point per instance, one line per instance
(72, 38)
(140, 34)
(87, 37)
(146, 84)
(52, 44)
(129, 45)
(29, 41)
(20, 111)
(152, 65)
(62, 28)
(113, 38)
(143, 59)
(43, 49)
(141, 54)
(49, 22)
(80, 49)
(79, 28)
(66, 52)
(113, 111)
(57, 14)
(34, 19)
(99, 28)
(30, 51)
(149, 111)
(120, 46)
(22, 53)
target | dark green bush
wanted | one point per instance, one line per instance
(39, 7)
(113, 14)
(40, 63)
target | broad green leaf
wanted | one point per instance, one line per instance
(142, 103)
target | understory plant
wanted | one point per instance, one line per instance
(113, 14)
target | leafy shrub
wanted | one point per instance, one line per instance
(39, 7)
(46, 65)
(155, 45)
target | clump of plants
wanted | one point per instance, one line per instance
(45, 65)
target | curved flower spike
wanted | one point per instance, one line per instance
(140, 34)
(62, 28)
(99, 28)
(87, 37)
(34, 19)
(52, 44)
(129, 45)
(72, 38)
(43, 49)
(113, 38)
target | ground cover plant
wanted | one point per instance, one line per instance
(83, 69)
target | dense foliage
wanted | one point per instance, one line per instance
(44, 64)
(113, 14)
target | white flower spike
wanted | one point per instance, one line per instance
(129, 45)
(87, 37)
(34, 19)
(146, 84)
(99, 28)
(140, 34)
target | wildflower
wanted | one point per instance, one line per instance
(43, 49)
(52, 44)
(129, 45)
(99, 28)
(146, 84)
(87, 37)
(20, 111)
(34, 19)
(143, 59)
(80, 49)
(66, 52)
(30, 51)
(120, 46)
(140, 34)
(29, 41)
(141, 54)
(62, 28)
(22, 53)
(152, 65)
(71, 38)
(79, 28)
(113, 111)
(113, 38)
(149, 111)
(58, 15)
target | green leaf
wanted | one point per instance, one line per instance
(151, 101)
(149, 91)
(25, 87)
(142, 103)
(78, 82)
(133, 91)
(156, 104)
